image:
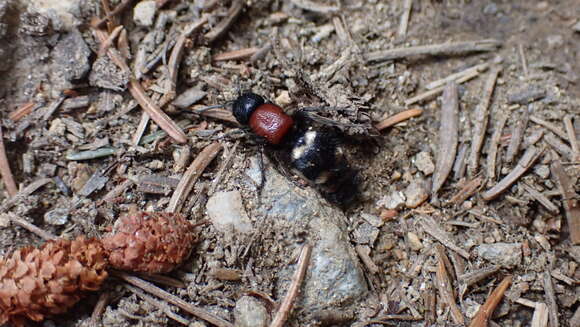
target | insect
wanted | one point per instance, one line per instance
(311, 151)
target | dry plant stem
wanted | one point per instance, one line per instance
(527, 160)
(432, 228)
(517, 137)
(177, 52)
(486, 310)
(191, 175)
(445, 288)
(541, 315)
(236, 54)
(21, 111)
(109, 41)
(474, 277)
(446, 49)
(551, 300)
(431, 93)
(99, 308)
(494, 147)
(162, 279)
(407, 6)
(137, 91)
(120, 7)
(160, 305)
(541, 198)
(481, 117)
(53, 106)
(32, 228)
(123, 44)
(448, 136)
(29, 189)
(233, 13)
(288, 302)
(5, 170)
(572, 137)
(150, 288)
(456, 76)
(467, 191)
(569, 197)
(553, 128)
(397, 118)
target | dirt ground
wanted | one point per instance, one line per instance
(447, 235)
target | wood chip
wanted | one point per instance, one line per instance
(436, 91)
(572, 137)
(486, 310)
(445, 49)
(448, 137)
(526, 162)
(517, 137)
(559, 146)
(494, 147)
(467, 191)
(570, 200)
(407, 6)
(541, 314)
(481, 117)
(456, 76)
(315, 7)
(445, 288)
(542, 199)
(551, 300)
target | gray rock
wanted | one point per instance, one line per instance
(542, 171)
(106, 74)
(490, 9)
(189, 97)
(225, 210)
(424, 162)
(507, 255)
(366, 233)
(71, 55)
(334, 276)
(144, 13)
(249, 312)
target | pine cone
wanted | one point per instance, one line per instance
(36, 282)
(152, 242)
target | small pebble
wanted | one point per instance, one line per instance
(542, 170)
(366, 234)
(424, 162)
(395, 200)
(144, 13)
(507, 255)
(283, 99)
(249, 312)
(58, 216)
(414, 241)
(225, 210)
(372, 219)
(490, 9)
(416, 193)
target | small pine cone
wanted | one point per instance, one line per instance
(36, 282)
(152, 242)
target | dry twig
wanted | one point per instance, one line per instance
(486, 310)
(191, 175)
(572, 137)
(517, 137)
(541, 315)
(29, 189)
(120, 7)
(109, 41)
(432, 228)
(32, 228)
(445, 49)
(445, 287)
(571, 204)
(315, 7)
(397, 118)
(431, 93)
(482, 117)
(559, 146)
(288, 302)
(99, 308)
(448, 136)
(235, 54)
(456, 76)
(553, 128)
(494, 147)
(407, 6)
(233, 13)
(150, 288)
(541, 198)
(527, 160)
(467, 190)
(5, 170)
(22, 111)
(158, 304)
